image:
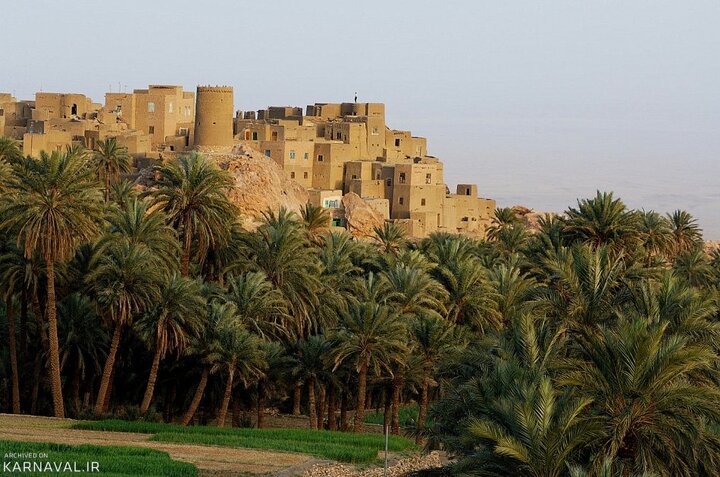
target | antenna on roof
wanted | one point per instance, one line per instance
(356, 96)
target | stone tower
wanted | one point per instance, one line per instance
(214, 116)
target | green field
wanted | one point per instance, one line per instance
(113, 461)
(408, 416)
(339, 446)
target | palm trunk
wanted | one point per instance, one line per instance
(10, 315)
(397, 386)
(197, 397)
(236, 413)
(149, 391)
(23, 322)
(261, 404)
(422, 413)
(322, 406)
(344, 411)
(332, 418)
(55, 381)
(40, 320)
(312, 409)
(107, 370)
(226, 397)
(76, 393)
(297, 398)
(187, 243)
(37, 377)
(359, 425)
(107, 186)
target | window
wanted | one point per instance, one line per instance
(183, 131)
(401, 201)
(428, 178)
(151, 107)
(274, 136)
(247, 135)
(377, 176)
(292, 175)
(388, 182)
(354, 177)
(422, 201)
(401, 179)
(267, 152)
(170, 107)
(254, 136)
(292, 154)
(306, 156)
(375, 131)
(332, 203)
(397, 142)
(338, 135)
(305, 175)
(320, 158)
(151, 130)
(467, 191)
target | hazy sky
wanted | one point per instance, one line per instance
(539, 102)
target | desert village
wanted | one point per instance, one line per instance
(341, 156)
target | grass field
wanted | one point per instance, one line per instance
(339, 446)
(113, 461)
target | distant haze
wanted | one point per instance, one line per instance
(539, 102)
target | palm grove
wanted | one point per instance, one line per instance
(588, 347)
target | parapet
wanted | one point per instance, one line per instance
(214, 89)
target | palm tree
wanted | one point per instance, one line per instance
(133, 223)
(54, 206)
(391, 238)
(10, 151)
(126, 282)
(434, 339)
(309, 367)
(370, 337)
(693, 265)
(236, 350)
(603, 220)
(12, 349)
(193, 192)
(259, 307)
(651, 395)
(171, 324)
(110, 159)
(84, 343)
(656, 235)
(316, 220)
(503, 218)
(122, 191)
(685, 231)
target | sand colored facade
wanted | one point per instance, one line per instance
(353, 150)
(214, 116)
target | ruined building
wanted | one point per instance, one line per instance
(331, 149)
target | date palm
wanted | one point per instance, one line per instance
(391, 238)
(260, 307)
(10, 150)
(309, 368)
(603, 220)
(656, 235)
(316, 220)
(193, 192)
(651, 394)
(133, 223)
(126, 282)
(685, 231)
(369, 337)
(236, 351)
(109, 160)
(53, 206)
(171, 324)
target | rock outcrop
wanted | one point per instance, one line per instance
(360, 216)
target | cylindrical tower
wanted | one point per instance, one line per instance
(214, 116)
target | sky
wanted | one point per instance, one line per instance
(538, 102)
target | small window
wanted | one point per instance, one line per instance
(267, 152)
(320, 158)
(292, 154)
(422, 201)
(306, 156)
(388, 182)
(151, 130)
(428, 178)
(254, 136)
(354, 177)
(397, 142)
(401, 179)
(305, 175)
(377, 176)
(401, 201)
(274, 136)
(151, 107)
(183, 131)
(467, 191)
(375, 131)
(170, 107)
(247, 135)
(292, 175)
(338, 136)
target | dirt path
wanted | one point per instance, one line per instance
(210, 460)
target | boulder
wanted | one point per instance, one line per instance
(360, 216)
